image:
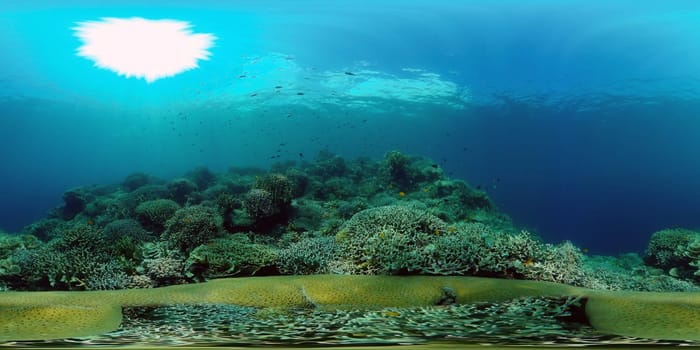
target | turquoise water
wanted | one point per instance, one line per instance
(586, 103)
(578, 118)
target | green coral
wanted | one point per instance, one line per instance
(628, 272)
(130, 228)
(311, 255)
(280, 189)
(180, 190)
(10, 265)
(128, 202)
(692, 252)
(387, 239)
(74, 260)
(44, 229)
(228, 256)
(202, 177)
(399, 172)
(155, 213)
(136, 180)
(192, 226)
(677, 251)
(258, 204)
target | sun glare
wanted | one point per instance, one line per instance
(143, 48)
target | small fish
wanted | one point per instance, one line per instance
(402, 194)
(278, 87)
(242, 76)
(254, 94)
(434, 165)
(301, 154)
(349, 73)
(300, 93)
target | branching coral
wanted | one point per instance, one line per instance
(387, 239)
(229, 256)
(155, 213)
(308, 256)
(192, 226)
(677, 251)
(258, 204)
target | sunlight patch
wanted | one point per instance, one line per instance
(143, 48)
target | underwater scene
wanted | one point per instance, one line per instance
(307, 173)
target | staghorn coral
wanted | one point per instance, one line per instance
(229, 256)
(476, 249)
(162, 266)
(311, 255)
(140, 281)
(387, 239)
(561, 263)
(107, 276)
(70, 261)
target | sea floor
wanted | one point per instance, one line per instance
(530, 322)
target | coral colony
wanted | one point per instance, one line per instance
(330, 236)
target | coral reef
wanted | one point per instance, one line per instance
(230, 256)
(400, 215)
(192, 226)
(677, 251)
(154, 214)
(308, 256)
(386, 240)
(136, 180)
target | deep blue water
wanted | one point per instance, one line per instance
(579, 118)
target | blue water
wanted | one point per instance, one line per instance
(579, 118)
